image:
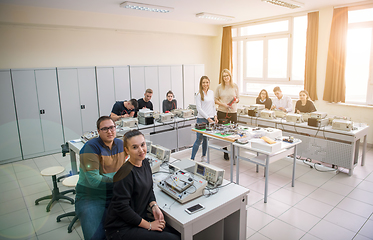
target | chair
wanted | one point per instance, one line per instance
(56, 194)
(69, 182)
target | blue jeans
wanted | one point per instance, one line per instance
(91, 214)
(198, 141)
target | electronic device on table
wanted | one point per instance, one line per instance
(177, 112)
(155, 163)
(212, 174)
(121, 131)
(317, 122)
(183, 186)
(145, 116)
(148, 145)
(200, 126)
(318, 115)
(194, 108)
(187, 113)
(160, 152)
(165, 117)
(294, 117)
(273, 133)
(268, 114)
(340, 124)
(194, 208)
(88, 136)
(279, 114)
(305, 116)
(127, 122)
(255, 109)
(185, 164)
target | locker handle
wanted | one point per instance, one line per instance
(82, 106)
(42, 111)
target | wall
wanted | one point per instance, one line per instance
(359, 114)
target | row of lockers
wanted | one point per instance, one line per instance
(43, 108)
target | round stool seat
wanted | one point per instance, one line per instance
(71, 181)
(52, 171)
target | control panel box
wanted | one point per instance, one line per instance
(294, 117)
(340, 124)
(211, 173)
(268, 114)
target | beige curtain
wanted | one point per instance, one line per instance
(335, 87)
(311, 54)
(226, 51)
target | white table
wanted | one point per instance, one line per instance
(224, 216)
(323, 144)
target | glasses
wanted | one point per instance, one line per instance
(106, 129)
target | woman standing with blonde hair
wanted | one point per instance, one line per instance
(205, 104)
(304, 104)
(227, 97)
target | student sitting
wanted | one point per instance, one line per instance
(169, 103)
(304, 104)
(264, 99)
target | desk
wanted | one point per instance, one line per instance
(224, 216)
(323, 144)
(265, 158)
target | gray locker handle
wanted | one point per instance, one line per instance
(42, 111)
(82, 106)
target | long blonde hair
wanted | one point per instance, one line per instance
(305, 92)
(200, 87)
(230, 78)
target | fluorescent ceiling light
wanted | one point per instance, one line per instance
(146, 7)
(286, 3)
(214, 16)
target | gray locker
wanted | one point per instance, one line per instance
(10, 149)
(177, 85)
(137, 74)
(105, 89)
(38, 111)
(122, 83)
(78, 96)
(151, 81)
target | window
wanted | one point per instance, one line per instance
(359, 62)
(269, 54)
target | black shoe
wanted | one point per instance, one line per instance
(226, 156)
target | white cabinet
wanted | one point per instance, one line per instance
(38, 111)
(192, 75)
(78, 97)
(112, 85)
(171, 78)
(10, 149)
(151, 81)
(137, 74)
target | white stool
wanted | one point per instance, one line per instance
(56, 195)
(70, 182)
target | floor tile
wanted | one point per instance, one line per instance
(26, 174)
(326, 196)
(314, 207)
(308, 236)
(273, 207)
(24, 182)
(327, 230)
(14, 218)
(257, 219)
(10, 195)
(48, 223)
(254, 197)
(315, 178)
(59, 234)
(347, 180)
(278, 229)
(361, 237)
(258, 236)
(299, 219)
(20, 232)
(7, 186)
(355, 206)
(35, 188)
(366, 185)
(288, 197)
(345, 219)
(337, 187)
(367, 229)
(12, 205)
(259, 187)
(362, 195)
(301, 188)
(38, 211)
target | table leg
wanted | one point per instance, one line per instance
(364, 149)
(74, 168)
(266, 179)
(294, 162)
(235, 156)
(208, 151)
(232, 160)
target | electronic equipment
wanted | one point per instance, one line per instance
(187, 113)
(145, 120)
(257, 106)
(318, 114)
(183, 186)
(155, 164)
(279, 114)
(121, 131)
(184, 164)
(267, 114)
(294, 117)
(241, 111)
(194, 208)
(165, 117)
(254, 110)
(340, 124)
(200, 126)
(318, 122)
(306, 116)
(145, 112)
(177, 112)
(148, 145)
(160, 152)
(88, 136)
(272, 133)
(263, 145)
(194, 108)
(127, 122)
(212, 174)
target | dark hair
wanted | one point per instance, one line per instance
(170, 92)
(277, 89)
(134, 103)
(265, 92)
(130, 134)
(200, 87)
(102, 118)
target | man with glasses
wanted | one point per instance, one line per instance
(123, 109)
(100, 158)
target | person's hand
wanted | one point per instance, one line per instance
(125, 116)
(227, 106)
(210, 120)
(273, 107)
(158, 225)
(298, 111)
(282, 109)
(157, 213)
(216, 120)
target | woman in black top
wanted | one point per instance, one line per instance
(304, 104)
(169, 103)
(263, 98)
(133, 195)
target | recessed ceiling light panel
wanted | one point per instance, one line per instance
(145, 7)
(214, 16)
(285, 3)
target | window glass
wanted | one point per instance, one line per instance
(363, 15)
(280, 26)
(254, 59)
(277, 58)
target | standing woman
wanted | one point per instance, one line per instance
(205, 103)
(133, 195)
(304, 104)
(227, 97)
(264, 99)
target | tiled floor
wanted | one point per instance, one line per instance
(322, 205)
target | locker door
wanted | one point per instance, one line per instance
(49, 104)
(164, 83)
(151, 81)
(137, 82)
(70, 104)
(88, 98)
(28, 112)
(189, 80)
(105, 90)
(122, 83)
(10, 148)
(177, 85)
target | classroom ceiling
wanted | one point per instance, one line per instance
(186, 10)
